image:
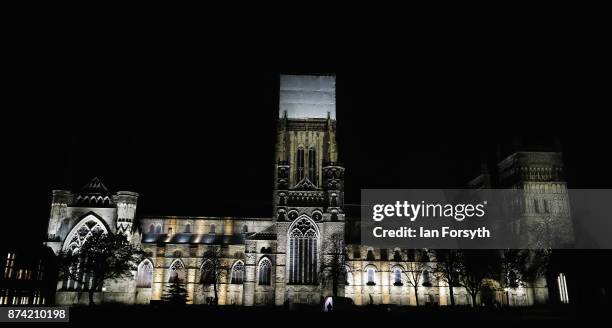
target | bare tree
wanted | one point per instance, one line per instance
(477, 265)
(213, 270)
(415, 269)
(103, 256)
(333, 267)
(448, 266)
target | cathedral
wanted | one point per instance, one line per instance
(278, 260)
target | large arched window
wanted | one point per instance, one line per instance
(300, 164)
(303, 252)
(145, 274)
(75, 240)
(82, 231)
(238, 273)
(188, 228)
(312, 165)
(158, 228)
(207, 274)
(177, 271)
(265, 272)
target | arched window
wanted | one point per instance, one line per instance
(145, 274)
(370, 255)
(82, 231)
(207, 274)
(424, 255)
(411, 255)
(312, 165)
(300, 164)
(397, 256)
(151, 228)
(397, 277)
(349, 275)
(245, 229)
(426, 280)
(170, 230)
(265, 272)
(334, 200)
(371, 274)
(177, 271)
(188, 228)
(212, 228)
(238, 273)
(158, 228)
(303, 252)
(384, 254)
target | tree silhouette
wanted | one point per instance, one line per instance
(333, 268)
(176, 293)
(102, 257)
(522, 266)
(415, 269)
(448, 266)
(477, 265)
(213, 269)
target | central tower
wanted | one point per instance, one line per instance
(307, 173)
(309, 183)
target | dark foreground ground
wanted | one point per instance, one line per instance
(227, 316)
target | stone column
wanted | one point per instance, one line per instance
(191, 281)
(248, 291)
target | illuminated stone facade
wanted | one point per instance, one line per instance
(276, 260)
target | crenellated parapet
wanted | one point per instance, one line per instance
(522, 167)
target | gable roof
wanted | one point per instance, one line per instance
(94, 187)
(94, 194)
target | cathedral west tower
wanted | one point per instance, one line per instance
(309, 181)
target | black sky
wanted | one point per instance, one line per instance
(195, 135)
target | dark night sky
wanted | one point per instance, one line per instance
(195, 135)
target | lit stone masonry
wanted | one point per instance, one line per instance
(278, 260)
(546, 202)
